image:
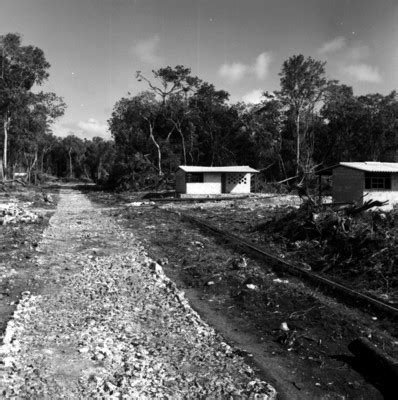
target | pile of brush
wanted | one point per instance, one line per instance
(351, 241)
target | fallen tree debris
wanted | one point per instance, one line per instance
(350, 241)
(12, 181)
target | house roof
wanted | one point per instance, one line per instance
(367, 166)
(235, 168)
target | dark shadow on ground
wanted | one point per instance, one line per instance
(387, 388)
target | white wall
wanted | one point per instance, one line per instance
(389, 195)
(238, 183)
(382, 195)
(211, 185)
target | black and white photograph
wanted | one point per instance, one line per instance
(199, 199)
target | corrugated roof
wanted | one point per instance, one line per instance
(235, 168)
(371, 166)
(367, 166)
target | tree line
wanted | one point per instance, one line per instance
(310, 122)
(27, 141)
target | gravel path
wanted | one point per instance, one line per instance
(111, 325)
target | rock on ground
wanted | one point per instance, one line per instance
(111, 325)
(13, 213)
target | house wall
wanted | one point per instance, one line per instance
(211, 185)
(180, 181)
(348, 184)
(237, 183)
(384, 195)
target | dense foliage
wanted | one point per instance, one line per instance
(310, 122)
(74, 158)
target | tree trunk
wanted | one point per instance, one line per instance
(282, 165)
(86, 174)
(177, 126)
(191, 149)
(184, 152)
(157, 147)
(2, 178)
(43, 153)
(70, 163)
(5, 144)
(169, 135)
(6, 124)
(212, 148)
(298, 142)
(32, 166)
(99, 170)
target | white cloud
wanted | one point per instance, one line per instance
(93, 127)
(363, 72)
(146, 50)
(61, 130)
(253, 97)
(236, 71)
(82, 129)
(233, 72)
(261, 66)
(351, 59)
(358, 52)
(333, 45)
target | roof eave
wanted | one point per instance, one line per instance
(329, 170)
(244, 169)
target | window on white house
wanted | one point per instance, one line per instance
(378, 181)
(195, 177)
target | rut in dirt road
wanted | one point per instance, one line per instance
(110, 324)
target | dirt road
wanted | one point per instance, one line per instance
(110, 324)
(247, 300)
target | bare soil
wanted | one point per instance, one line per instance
(243, 219)
(19, 245)
(248, 303)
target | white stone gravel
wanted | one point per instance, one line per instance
(14, 212)
(111, 325)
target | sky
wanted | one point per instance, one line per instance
(95, 47)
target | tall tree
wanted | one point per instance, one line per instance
(214, 123)
(99, 157)
(134, 120)
(75, 149)
(29, 138)
(264, 124)
(21, 67)
(303, 85)
(169, 81)
(44, 110)
(174, 86)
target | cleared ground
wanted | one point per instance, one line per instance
(107, 323)
(248, 302)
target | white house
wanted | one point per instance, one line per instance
(195, 180)
(362, 181)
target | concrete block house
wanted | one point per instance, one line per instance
(362, 181)
(197, 181)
